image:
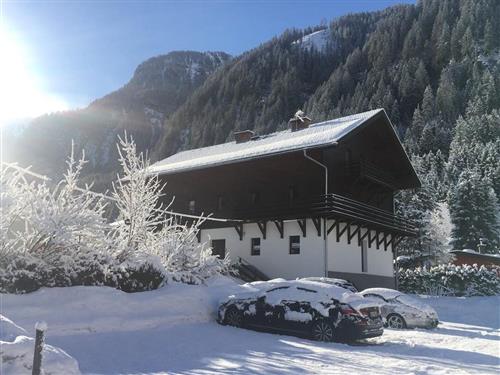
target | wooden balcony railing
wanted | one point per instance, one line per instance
(330, 206)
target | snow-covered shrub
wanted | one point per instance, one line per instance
(57, 235)
(143, 230)
(139, 275)
(51, 235)
(449, 279)
(184, 258)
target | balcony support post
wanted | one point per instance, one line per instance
(332, 227)
(352, 234)
(239, 230)
(279, 226)
(341, 232)
(263, 228)
(372, 239)
(380, 240)
(303, 226)
(387, 241)
(361, 237)
(317, 224)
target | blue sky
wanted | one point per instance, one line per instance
(78, 51)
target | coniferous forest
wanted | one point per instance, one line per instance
(434, 67)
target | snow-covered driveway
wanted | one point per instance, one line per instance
(110, 332)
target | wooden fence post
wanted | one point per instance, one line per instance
(40, 329)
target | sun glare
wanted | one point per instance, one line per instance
(21, 90)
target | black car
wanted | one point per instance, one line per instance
(303, 308)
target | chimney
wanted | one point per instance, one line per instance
(299, 121)
(243, 136)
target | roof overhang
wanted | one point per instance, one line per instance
(284, 142)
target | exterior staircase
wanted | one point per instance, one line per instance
(248, 272)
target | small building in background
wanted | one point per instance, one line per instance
(471, 257)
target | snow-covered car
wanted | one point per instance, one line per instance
(333, 281)
(304, 308)
(400, 310)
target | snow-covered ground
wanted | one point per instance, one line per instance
(172, 330)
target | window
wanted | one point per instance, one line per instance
(364, 256)
(220, 203)
(294, 244)
(219, 248)
(255, 246)
(192, 206)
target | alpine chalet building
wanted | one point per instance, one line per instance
(313, 200)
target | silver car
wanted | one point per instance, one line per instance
(400, 310)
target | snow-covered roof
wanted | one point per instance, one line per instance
(474, 253)
(316, 135)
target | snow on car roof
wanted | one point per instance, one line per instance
(298, 289)
(319, 134)
(326, 279)
(384, 292)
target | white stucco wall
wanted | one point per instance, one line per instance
(276, 261)
(344, 257)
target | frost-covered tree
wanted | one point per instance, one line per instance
(146, 232)
(63, 219)
(50, 221)
(11, 208)
(136, 194)
(474, 211)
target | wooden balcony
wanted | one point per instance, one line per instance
(331, 206)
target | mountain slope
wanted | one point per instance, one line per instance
(360, 62)
(261, 89)
(158, 87)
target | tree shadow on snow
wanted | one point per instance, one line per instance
(212, 349)
(486, 333)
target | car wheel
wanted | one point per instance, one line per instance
(322, 331)
(396, 321)
(233, 317)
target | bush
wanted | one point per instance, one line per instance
(25, 274)
(451, 280)
(56, 235)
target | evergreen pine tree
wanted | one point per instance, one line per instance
(474, 211)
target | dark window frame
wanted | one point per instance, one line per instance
(293, 241)
(254, 251)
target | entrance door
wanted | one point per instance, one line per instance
(219, 248)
